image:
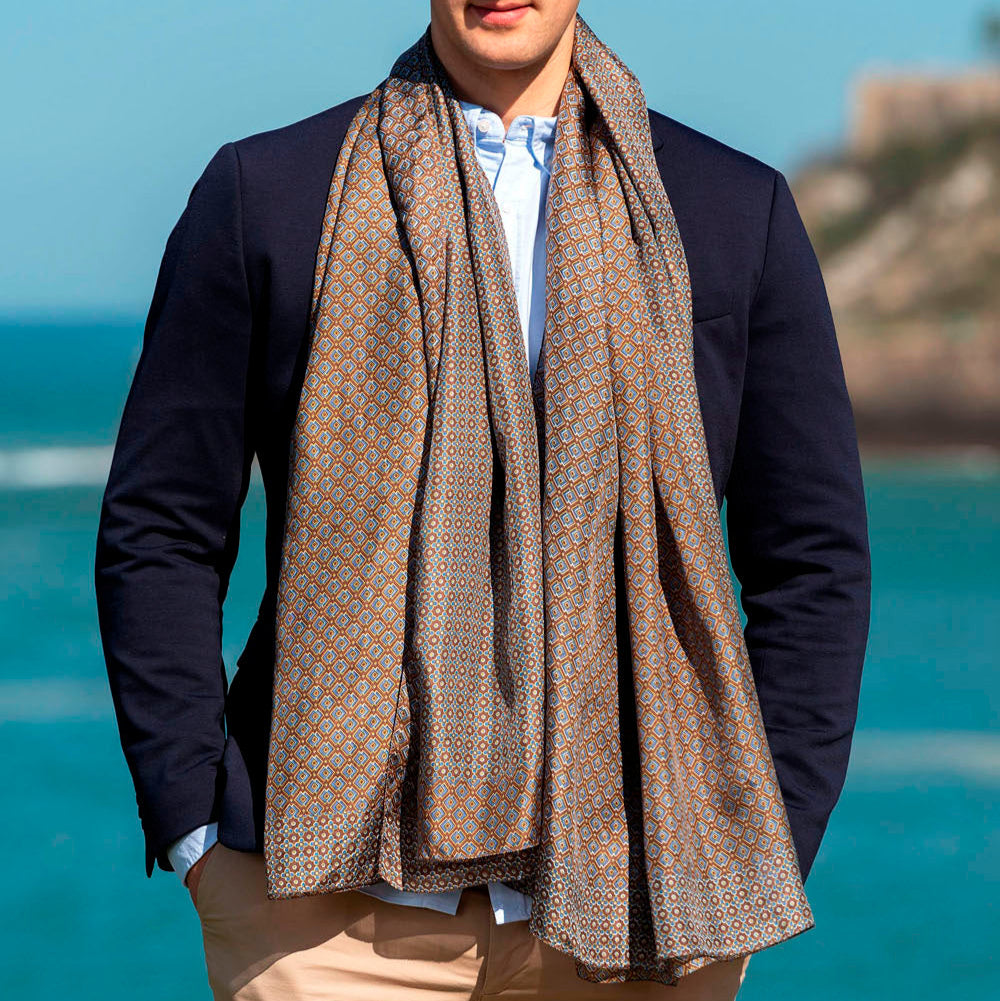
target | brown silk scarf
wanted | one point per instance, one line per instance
(446, 689)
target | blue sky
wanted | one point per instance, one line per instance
(111, 109)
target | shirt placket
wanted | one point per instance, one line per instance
(516, 188)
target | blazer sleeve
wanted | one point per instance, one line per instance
(169, 521)
(797, 528)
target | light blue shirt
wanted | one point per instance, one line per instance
(518, 170)
(517, 166)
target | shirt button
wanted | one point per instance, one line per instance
(483, 127)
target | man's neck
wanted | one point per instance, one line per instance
(529, 90)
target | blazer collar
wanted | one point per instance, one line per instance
(657, 139)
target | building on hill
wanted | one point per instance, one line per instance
(906, 222)
(887, 108)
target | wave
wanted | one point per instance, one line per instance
(875, 754)
(52, 467)
(55, 466)
(973, 754)
(46, 700)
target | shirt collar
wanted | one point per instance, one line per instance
(537, 132)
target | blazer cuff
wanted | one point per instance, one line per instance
(808, 828)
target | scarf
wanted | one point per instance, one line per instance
(465, 550)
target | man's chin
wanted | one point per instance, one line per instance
(501, 51)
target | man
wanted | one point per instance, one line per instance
(356, 747)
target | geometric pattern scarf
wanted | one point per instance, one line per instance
(446, 691)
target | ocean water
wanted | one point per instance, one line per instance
(905, 886)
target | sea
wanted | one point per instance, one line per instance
(904, 889)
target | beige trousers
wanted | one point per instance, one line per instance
(351, 946)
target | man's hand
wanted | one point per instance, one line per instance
(193, 876)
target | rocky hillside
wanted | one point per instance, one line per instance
(909, 240)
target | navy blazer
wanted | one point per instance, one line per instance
(218, 380)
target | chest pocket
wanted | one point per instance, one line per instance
(709, 304)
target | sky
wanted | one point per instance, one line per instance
(111, 109)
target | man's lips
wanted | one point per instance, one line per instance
(500, 14)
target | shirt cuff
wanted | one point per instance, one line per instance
(186, 850)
